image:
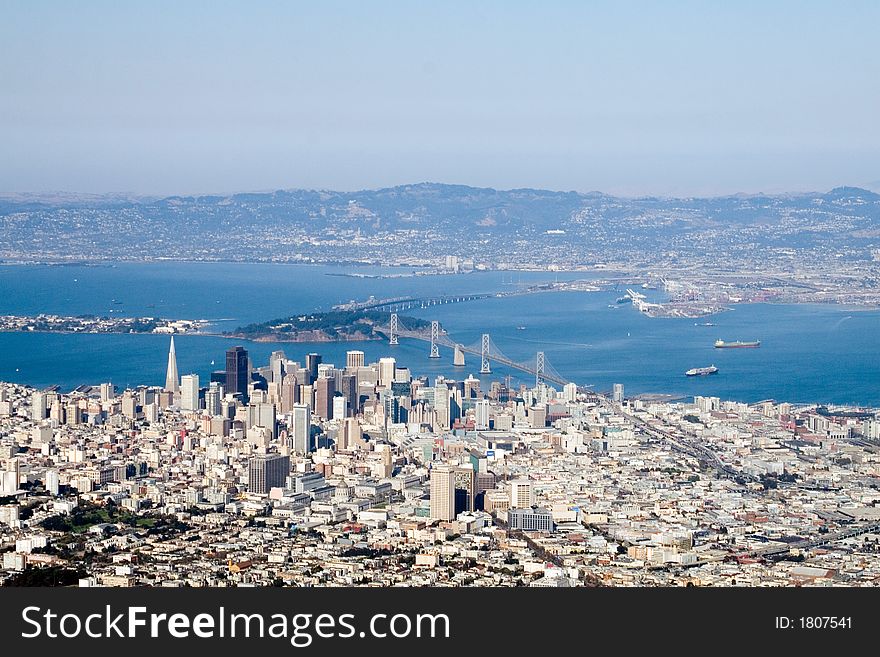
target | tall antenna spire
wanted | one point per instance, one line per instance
(172, 381)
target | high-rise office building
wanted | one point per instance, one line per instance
(481, 415)
(442, 406)
(237, 372)
(189, 392)
(350, 393)
(52, 481)
(312, 362)
(350, 435)
(538, 416)
(129, 404)
(213, 398)
(465, 489)
(262, 415)
(57, 412)
(289, 392)
(325, 389)
(354, 359)
(443, 492)
(617, 394)
(106, 392)
(300, 428)
(387, 369)
(39, 406)
(267, 471)
(340, 408)
(392, 410)
(471, 387)
(172, 383)
(278, 366)
(521, 495)
(569, 392)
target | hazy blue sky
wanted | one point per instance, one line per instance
(631, 98)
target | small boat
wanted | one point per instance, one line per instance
(520, 328)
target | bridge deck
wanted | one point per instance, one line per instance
(502, 360)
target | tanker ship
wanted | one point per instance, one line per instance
(721, 344)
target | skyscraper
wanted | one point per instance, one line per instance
(350, 392)
(39, 406)
(263, 415)
(387, 368)
(354, 359)
(277, 365)
(465, 489)
(481, 415)
(312, 362)
(189, 392)
(300, 428)
(172, 383)
(106, 392)
(267, 471)
(289, 393)
(443, 492)
(325, 389)
(617, 395)
(213, 397)
(237, 372)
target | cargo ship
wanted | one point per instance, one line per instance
(702, 371)
(721, 344)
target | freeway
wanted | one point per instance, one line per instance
(692, 448)
(822, 539)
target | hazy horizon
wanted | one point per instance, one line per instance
(232, 192)
(638, 99)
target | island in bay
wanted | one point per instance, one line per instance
(48, 323)
(335, 326)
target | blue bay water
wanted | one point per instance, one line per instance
(809, 353)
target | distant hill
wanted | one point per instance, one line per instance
(421, 222)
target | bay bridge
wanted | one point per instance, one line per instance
(397, 304)
(485, 348)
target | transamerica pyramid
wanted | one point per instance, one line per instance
(172, 381)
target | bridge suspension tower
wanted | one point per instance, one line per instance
(435, 335)
(484, 355)
(392, 334)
